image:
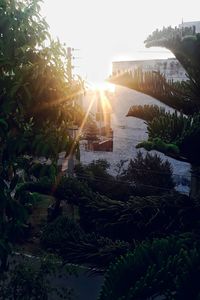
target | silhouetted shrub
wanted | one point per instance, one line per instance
(150, 174)
(140, 217)
(168, 267)
(97, 177)
(66, 238)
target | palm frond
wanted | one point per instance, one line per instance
(146, 112)
(154, 84)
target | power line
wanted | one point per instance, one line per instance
(158, 172)
(124, 138)
(115, 138)
(154, 172)
(126, 182)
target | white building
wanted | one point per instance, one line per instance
(195, 24)
(170, 67)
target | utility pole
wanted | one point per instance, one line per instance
(69, 63)
(72, 131)
(70, 66)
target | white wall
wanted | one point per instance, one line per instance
(191, 24)
(128, 132)
(170, 67)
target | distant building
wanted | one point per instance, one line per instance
(195, 24)
(170, 67)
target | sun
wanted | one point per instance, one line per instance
(105, 92)
(103, 87)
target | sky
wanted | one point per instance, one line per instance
(112, 30)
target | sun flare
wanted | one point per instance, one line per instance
(103, 86)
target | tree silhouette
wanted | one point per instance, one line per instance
(36, 103)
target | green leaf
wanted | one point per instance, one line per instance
(14, 182)
(3, 124)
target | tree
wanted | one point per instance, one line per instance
(150, 173)
(36, 102)
(36, 95)
(175, 134)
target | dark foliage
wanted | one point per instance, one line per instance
(28, 280)
(169, 268)
(99, 180)
(150, 174)
(140, 217)
(72, 190)
(39, 170)
(66, 238)
(33, 120)
(44, 186)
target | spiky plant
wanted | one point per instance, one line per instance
(163, 269)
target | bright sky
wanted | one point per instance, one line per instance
(109, 30)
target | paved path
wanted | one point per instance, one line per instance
(86, 287)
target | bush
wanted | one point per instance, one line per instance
(150, 174)
(63, 188)
(100, 181)
(32, 280)
(43, 186)
(42, 170)
(66, 238)
(168, 267)
(58, 233)
(29, 199)
(71, 190)
(140, 217)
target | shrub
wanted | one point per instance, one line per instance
(150, 174)
(43, 170)
(71, 190)
(140, 217)
(168, 267)
(31, 280)
(99, 180)
(66, 238)
(43, 186)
